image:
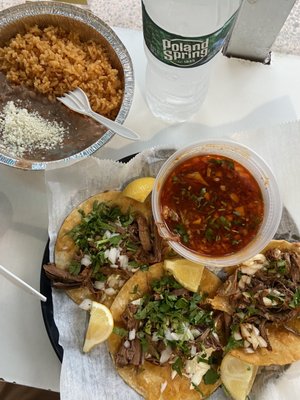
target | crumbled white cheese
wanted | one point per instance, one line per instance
(23, 131)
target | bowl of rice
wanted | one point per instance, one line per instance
(46, 50)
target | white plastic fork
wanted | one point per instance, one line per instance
(78, 101)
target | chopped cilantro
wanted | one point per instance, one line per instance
(211, 377)
(295, 300)
(233, 344)
(178, 366)
(120, 331)
(182, 232)
(74, 267)
(209, 235)
(135, 289)
(198, 390)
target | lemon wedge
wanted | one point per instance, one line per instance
(100, 326)
(186, 272)
(237, 376)
(139, 189)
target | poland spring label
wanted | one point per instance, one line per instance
(179, 51)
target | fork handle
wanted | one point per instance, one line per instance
(115, 126)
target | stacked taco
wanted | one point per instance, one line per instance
(101, 244)
(167, 339)
(169, 342)
(261, 304)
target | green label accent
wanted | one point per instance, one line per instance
(180, 51)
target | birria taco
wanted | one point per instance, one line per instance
(101, 244)
(167, 341)
(261, 301)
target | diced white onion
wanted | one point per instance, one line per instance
(107, 235)
(173, 374)
(86, 261)
(249, 350)
(155, 337)
(112, 254)
(137, 302)
(131, 334)
(163, 386)
(165, 355)
(237, 336)
(126, 344)
(110, 291)
(195, 333)
(193, 350)
(113, 280)
(196, 370)
(123, 260)
(262, 342)
(268, 302)
(99, 285)
(86, 304)
(171, 335)
(255, 263)
(121, 282)
(255, 330)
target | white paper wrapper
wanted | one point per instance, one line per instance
(88, 376)
(92, 376)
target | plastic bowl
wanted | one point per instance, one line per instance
(263, 176)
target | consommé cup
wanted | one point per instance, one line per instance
(216, 202)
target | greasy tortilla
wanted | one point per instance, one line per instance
(65, 248)
(285, 348)
(285, 344)
(148, 380)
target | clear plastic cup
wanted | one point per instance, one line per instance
(259, 170)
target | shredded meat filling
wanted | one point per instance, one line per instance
(265, 297)
(141, 232)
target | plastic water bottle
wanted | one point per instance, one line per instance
(181, 38)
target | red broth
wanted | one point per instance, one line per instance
(212, 205)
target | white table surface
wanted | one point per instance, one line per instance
(243, 96)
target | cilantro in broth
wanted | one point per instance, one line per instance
(213, 204)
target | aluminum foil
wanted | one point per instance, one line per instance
(13, 20)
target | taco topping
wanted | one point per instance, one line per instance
(111, 246)
(264, 290)
(171, 325)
